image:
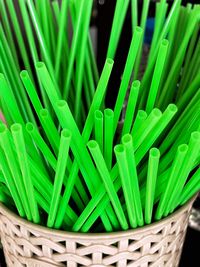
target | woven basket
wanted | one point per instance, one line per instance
(159, 244)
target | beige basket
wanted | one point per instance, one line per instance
(159, 244)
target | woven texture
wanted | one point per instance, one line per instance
(157, 245)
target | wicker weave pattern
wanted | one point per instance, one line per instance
(157, 245)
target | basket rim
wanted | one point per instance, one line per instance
(93, 236)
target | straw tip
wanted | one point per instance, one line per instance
(138, 29)
(66, 134)
(98, 114)
(108, 112)
(92, 144)
(172, 107)
(195, 136)
(43, 112)
(136, 84)
(127, 138)
(29, 127)
(119, 149)
(165, 42)
(110, 61)
(157, 112)
(39, 65)
(16, 127)
(24, 74)
(183, 148)
(154, 152)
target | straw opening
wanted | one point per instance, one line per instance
(66, 133)
(126, 138)
(165, 42)
(29, 127)
(136, 83)
(39, 65)
(16, 127)
(155, 152)
(98, 114)
(183, 148)
(92, 144)
(119, 149)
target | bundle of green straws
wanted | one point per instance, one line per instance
(64, 162)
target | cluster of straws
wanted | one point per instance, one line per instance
(64, 162)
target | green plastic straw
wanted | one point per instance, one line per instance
(14, 168)
(131, 106)
(118, 20)
(98, 128)
(59, 177)
(9, 99)
(139, 120)
(61, 31)
(10, 182)
(192, 187)
(126, 183)
(127, 74)
(105, 175)
(9, 35)
(145, 9)
(168, 114)
(134, 14)
(108, 136)
(73, 50)
(18, 34)
(127, 141)
(193, 152)
(19, 142)
(81, 58)
(173, 177)
(160, 63)
(154, 155)
(146, 127)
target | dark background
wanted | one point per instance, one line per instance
(102, 19)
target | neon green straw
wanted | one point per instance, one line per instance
(126, 183)
(10, 182)
(60, 173)
(160, 63)
(127, 74)
(127, 141)
(146, 127)
(108, 137)
(131, 106)
(19, 142)
(14, 168)
(105, 175)
(154, 155)
(134, 14)
(191, 188)
(174, 176)
(193, 152)
(139, 120)
(98, 128)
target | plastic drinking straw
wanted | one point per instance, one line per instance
(108, 136)
(18, 34)
(131, 106)
(148, 72)
(11, 184)
(19, 142)
(99, 129)
(14, 168)
(9, 99)
(50, 129)
(126, 183)
(14, 78)
(134, 14)
(173, 177)
(161, 9)
(60, 173)
(193, 151)
(7, 28)
(158, 72)
(127, 74)
(41, 39)
(156, 131)
(139, 120)
(48, 155)
(154, 156)
(73, 50)
(81, 57)
(118, 20)
(105, 175)
(146, 127)
(191, 187)
(171, 81)
(61, 33)
(32, 44)
(145, 9)
(127, 141)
